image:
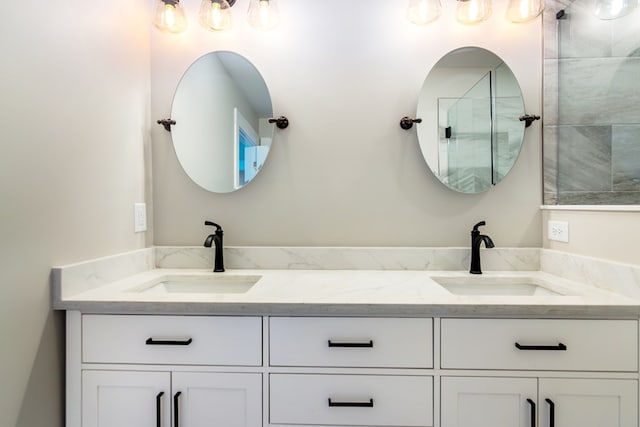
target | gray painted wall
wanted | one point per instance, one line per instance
(344, 173)
(75, 123)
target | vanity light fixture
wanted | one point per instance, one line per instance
(613, 9)
(169, 16)
(215, 15)
(524, 10)
(263, 14)
(470, 12)
(422, 12)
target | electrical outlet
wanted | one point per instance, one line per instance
(558, 231)
(139, 217)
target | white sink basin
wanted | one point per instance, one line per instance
(213, 283)
(504, 286)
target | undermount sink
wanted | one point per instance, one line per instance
(199, 284)
(497, 286)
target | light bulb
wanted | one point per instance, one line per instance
(524, 10)
(215, 15)
(169, 16)
(263, 14)
(612, 9)
(471, 12)
(422, 12)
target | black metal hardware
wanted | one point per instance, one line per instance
(447, 132)
(151, 341)
(176, 415)
(351, 344)
(476, 241)
(528, 119)
(159, 409)
(533, 412)
(281, 122)
(406, 123)
(216, 239)
(167, 123)
(559, 347)
(552, 412)
(368, 404)
(561, 14)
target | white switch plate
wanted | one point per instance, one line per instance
(558, 231)
(139, 217)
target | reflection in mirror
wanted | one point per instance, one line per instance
(471, 134)
(222, 133)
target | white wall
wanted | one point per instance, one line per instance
(74, 109)
(344, 173)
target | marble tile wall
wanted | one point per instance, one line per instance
(592, 107)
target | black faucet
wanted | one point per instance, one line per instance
(476, 240)
(215, 239)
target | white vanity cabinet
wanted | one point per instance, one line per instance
(165, 371)
(603, 352)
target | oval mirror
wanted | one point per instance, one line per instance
(471, 134)
(221, 108)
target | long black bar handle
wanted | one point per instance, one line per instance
(176, 412)
(533, 412)
(151, 341)
(159, 409)
(559, 347)
(351, 344)
(552, 412)
(368, 404)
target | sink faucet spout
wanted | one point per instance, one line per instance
(215, 240)
(476, 241)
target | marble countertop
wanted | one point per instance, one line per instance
(340, 292)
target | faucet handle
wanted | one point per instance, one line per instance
(480, 224)
(213, 224)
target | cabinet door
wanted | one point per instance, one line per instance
(125, 399)
(588, 402)
(217, 399)
(488, 402)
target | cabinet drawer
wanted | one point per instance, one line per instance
(540, 344)
(362, 400)
(351, 342)
(185, 340)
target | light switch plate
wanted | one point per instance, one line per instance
(139, 217)
(558, 231)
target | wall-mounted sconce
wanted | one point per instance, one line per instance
(263, 14)
(406, 123)
(524, 10)
(215, 15)
(528, 119)
(281, 122)
(169, 16)
(613, 9)
(471, 12)
(422, 12)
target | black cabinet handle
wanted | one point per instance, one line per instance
(176, 406)
(559, 347)
(368, 404)
(533, 412)
(552, 412)
(351, 344)
(151, 341)
(159, 409)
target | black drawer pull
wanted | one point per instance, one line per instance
(351, 344)
(151, 341)
(159, 409)
(176, 406)
(368, 404)
(533, 412)
(552, 412)
(559, 347)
